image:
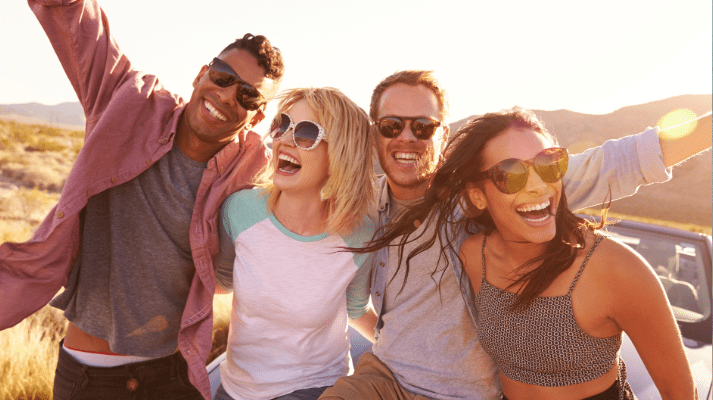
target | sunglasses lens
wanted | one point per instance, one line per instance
(249, 98)
(423, 128)
(279, 126)
(306, 134)
(220, 78)
(510, 176)
(551, 164)
(390, 127)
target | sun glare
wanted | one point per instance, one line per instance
(673, 125)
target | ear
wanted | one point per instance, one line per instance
(476, 196)
(202, 72)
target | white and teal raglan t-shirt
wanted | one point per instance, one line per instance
(292, 296)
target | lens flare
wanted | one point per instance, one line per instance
(672, 124)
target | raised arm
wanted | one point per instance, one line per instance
(79, 33)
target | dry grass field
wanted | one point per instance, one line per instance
(34, 163)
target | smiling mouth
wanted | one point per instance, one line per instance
(287, 164)
(214, 112)
(535, 212)
(405, 158)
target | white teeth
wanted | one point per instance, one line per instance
(406, 157)
(534, 207)
(287, 158)
(213, 112)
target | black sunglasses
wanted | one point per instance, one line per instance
(423, 128)
(510, 175)
(306, 134)
(224, 76)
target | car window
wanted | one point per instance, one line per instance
(680, 264)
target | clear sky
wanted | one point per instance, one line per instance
(591, 57)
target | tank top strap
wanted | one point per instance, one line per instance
(574, 282)
(482, 254)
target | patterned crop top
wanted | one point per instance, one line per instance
(542, 345)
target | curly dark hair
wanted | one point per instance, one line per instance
(268, 57)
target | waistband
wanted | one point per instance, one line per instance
(612, 393)
(154, 370)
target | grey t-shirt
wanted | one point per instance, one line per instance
(446, 356)
(130, 283)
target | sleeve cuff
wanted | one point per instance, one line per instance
(648, 150)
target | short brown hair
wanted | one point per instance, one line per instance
(410, 77)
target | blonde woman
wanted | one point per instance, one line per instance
(294, 291)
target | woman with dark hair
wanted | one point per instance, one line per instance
(553, 294)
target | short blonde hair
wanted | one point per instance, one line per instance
(350, 188)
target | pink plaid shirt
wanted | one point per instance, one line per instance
(131, 123)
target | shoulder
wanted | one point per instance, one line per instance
(361, 235)
(471, 257)
(243, 209)
(616, 268)
(472, 245)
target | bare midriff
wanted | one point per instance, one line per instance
(77, 339)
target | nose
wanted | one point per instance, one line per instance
(406, 134)
(228, 95)
(290, 131)
(534, 185)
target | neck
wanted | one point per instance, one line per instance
(195, 148)
(516, 253)
(303, 214)
(408, 193)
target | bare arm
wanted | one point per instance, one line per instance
(640, 308)
(365, 324)
(676, 149)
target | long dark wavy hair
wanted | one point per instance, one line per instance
(446, 204)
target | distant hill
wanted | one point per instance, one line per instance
(68, 115)
(685, 198)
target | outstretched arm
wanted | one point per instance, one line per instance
(622, 165)
(677, 147)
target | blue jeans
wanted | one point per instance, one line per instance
(163, 378)
(302, 394)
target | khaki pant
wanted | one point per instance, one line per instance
(371, 380)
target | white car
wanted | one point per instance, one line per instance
(682, 260)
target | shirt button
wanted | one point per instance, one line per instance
(381, 263)
(163, 140)
(113, 179)
(378, 293)
(60, 214)
(148, 161)
(132, 384)
(89, 193)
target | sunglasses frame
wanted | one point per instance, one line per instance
(490, 172)
(223, 67)
(412, 120)
(320, 137)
